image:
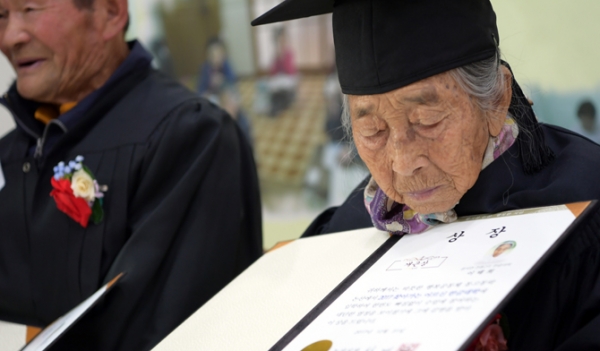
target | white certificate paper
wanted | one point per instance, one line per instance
(432, 291)
(55, 330)
(2, 180)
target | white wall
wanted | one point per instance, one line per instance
(237, 34)
(551, 44)
(554, 51)
(144, 20)
(7, 75)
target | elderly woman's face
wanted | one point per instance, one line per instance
(423, 143)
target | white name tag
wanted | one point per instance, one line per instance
(2, 181)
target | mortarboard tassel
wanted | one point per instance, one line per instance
(535, 154)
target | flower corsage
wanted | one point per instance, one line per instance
(77, 192)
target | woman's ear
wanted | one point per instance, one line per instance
(498, 115)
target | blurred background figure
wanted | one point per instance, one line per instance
(282, 84)
(218, 83)
(283, 81)
(283, 64)
(586, 113)
(216, 71)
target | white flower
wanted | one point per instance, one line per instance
(394, 227)
(83, 186)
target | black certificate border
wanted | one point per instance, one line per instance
(335, 293)
(593, 206)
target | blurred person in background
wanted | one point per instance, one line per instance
(217, 82)
(281, 85)
(283, 63)
(216, 71)
(113, 167)
(586, 114)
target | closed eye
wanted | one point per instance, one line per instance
(430, 127)
(369, 126)
(373, 138)
(367, 133)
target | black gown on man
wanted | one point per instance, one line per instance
(181, 211)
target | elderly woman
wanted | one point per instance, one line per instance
(446, 131)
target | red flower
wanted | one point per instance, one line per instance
(491, 338)
(75, 207)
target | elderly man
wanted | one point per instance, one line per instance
(113, 168)
(446, 131)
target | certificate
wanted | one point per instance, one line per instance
(54, 331)
(434, 291)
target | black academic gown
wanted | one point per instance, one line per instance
(182, 215)
(559, 307)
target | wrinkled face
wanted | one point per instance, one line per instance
(423, 143)
(54, 47)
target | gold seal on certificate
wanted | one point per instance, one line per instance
(323, 345)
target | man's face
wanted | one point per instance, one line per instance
(423, 143)
(54, 47)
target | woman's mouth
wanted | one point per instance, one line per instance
(424, 194)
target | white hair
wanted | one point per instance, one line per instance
(482, 80)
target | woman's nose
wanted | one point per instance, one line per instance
(408, 153)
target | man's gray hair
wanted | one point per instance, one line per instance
(89, 5)
(482, 80)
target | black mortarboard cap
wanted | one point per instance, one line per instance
(382, 45)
